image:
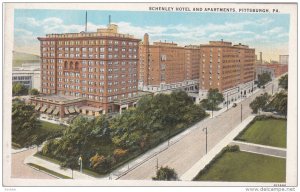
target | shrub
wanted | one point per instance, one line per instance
(119, 153)
(166, 174)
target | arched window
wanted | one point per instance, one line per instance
(71, 65)
(66, 65)
(76, 65)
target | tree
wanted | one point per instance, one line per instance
(263, 79)
(166, 174)
(280, 102)
(33, 91)
(24, 124)
(283, 82)
(260, 102)
(19, 89)
(71, 162)
(214, 98)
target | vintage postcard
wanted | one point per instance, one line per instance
(150, 94)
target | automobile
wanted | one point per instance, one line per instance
(234, 105)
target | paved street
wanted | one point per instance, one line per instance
(185, 153)
(20, 170)
(261, 149)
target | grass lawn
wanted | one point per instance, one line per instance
(48, 129)
(245, 167)
(270, 132)
(49, 171)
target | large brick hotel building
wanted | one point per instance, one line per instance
(101, 72)
(230, 68)
(165, 66)
(98, 67)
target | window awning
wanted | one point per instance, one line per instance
(71, 109)
(43, 109)
(37, 107)
(66, 111)
(50, 109)
(77, 109)
(56, 111)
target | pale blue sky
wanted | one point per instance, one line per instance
(264, 32)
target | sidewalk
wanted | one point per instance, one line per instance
(261, 149)
(195, 169)
(56, 168)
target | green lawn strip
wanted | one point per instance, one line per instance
(245, 167)
(49, 171)
(271, 132)
(50, 127)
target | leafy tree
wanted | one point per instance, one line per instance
(24, 124)
(283, 82)
(260, 102)
(280, 102)
(263, 79)
(71, 162)
(214, 98)
(166, 174)
(19, 89)
(101, 129)
(33, 91)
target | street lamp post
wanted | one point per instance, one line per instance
(80, 163)
(227, 101)
(205, 139)
(241, 112)
(169, 136)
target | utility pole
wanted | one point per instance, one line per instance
(272, 87)
(156, 164)
(205, 139)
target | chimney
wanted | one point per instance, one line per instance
(260, 57)
(146, 39)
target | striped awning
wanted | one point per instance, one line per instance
(37, 107)
(43, 109)
(66, 111)
(77, 109)
(71, 109)
(56, 111)
(50, 109)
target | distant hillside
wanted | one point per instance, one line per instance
(20, 58)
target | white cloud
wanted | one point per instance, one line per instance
(230, 34)
(264, 21)
(274, 30)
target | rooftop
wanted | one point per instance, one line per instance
(110, 31)
(57, 98)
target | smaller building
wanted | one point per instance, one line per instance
(61, 106)
(275, 70)
(260, 69)
(28, 75)
(284, 59)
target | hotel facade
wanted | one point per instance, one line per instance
(227, 67)
(165, 66)
(99, 67)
